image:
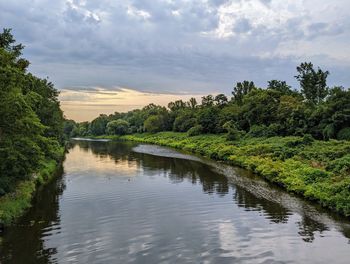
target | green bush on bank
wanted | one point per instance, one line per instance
(13, 205)
(317, 170)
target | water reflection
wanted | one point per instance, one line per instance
(111, 187)
(24, 241)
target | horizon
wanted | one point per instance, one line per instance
(176, 48)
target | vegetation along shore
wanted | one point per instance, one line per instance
(31, 130)
(296, 138)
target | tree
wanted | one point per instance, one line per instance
(192, 103)
(98, 125)
(207, 100)
(27, 137)
(117, 127)
(154, 123)
(184, 121)
(241, 89)
(281, 86)
(207, 118)
(221, 100)
(313, 83)
(177, 105)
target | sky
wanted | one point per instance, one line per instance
(109, 55)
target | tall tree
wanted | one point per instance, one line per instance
(241, 89)
(313, 82)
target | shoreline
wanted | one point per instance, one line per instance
(310, 171)
(13, 205)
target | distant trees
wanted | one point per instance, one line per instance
(154, 123)
(117, 127)
(279, 110)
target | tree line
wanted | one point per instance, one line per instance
(277, 110)
(31, 121)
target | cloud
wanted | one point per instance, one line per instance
(199, 46)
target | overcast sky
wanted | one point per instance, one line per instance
(108, 55)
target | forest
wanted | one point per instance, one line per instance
(314, 109)
(298, 139)
(31, 129)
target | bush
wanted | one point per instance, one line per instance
(308, 139)
(232, 132)
(262, 131)
(195, 131)
(154, 123)
(341, 165)
(117, 127)
(344, 134)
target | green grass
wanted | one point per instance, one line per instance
(13, 205)
(316, 170)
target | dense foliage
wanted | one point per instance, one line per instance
(31, 121)
(277, 110)
(295, 138)
(318, 170)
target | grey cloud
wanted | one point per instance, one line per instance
(165, 52)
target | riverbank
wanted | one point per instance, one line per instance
(316, 170)
(13, 205)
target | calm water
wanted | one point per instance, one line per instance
(128, 203)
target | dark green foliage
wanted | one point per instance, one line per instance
(195, 131)
(117, 127)
(313, 82)
(344, 134)
(184, 121)
(207, 118)
(232, 132)
(154, 123)
(31, 121)
(241, 89)
(262, 131)
(98, 125)
(221, 100)
(317, 170)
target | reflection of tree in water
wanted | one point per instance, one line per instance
(23, 243)
(248, 200)
(308, 227)
(115, 150)
(179, 170)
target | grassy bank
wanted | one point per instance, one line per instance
(13, 205)
(317, 170)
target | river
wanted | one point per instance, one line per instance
(124, 202)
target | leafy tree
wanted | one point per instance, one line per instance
(117, 127)
(221, 100)
(241, 89)
(26, 137)
(208, 119)
(98, 125)
(154, 123)
(207, 100)
(260, 107)
(192, 103)
(282, 87)
(313, 82)
(184, 121)
(177, 105)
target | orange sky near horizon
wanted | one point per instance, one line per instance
(85, 105)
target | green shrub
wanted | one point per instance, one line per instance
(344, 134)
(117, 127)
(341, 165)
(195, 131)
(262, 131)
